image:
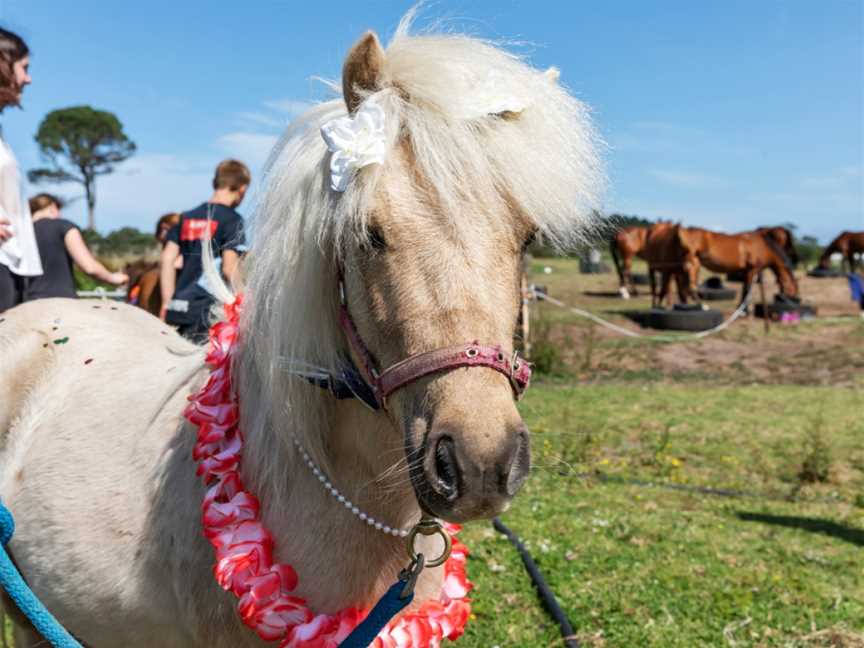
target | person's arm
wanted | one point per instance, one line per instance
(230, 263)
(82, 257)
(167, 275)
(232, 241)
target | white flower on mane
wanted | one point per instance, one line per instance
(355, 142)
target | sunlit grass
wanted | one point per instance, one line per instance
(636, 566)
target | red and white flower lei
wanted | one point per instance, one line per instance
(244, 547)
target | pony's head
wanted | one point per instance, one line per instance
(478, 154)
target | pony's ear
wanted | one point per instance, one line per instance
(362, 70)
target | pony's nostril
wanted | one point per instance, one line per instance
(519, 464)
(446, 469)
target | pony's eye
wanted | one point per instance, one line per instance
(376, 238)
(529, 241)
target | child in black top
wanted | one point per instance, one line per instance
(60, 243)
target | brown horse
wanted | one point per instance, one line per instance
(664, 254)
(848, 244)
(144, 275)
(144, 286)
(626, 243)
(748, 252)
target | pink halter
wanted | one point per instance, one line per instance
(472, 354)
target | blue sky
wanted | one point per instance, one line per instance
(725, 114)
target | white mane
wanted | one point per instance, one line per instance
(435, 90)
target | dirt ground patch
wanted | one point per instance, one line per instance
(810, 355)
(826, 351)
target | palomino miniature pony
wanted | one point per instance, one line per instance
(451, 154)
(847, 244)
(748, 252)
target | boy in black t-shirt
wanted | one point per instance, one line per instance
(186, 297)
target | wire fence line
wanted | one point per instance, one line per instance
(742, 308)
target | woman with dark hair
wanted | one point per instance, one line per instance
(19, 255)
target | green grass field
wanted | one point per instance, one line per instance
(646, 566)
(779, 415)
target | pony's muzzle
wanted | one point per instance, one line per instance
(462, 480)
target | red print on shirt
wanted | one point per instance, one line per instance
(195, 229)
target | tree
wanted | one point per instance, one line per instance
(624, 220)
(79, 144)
(808, 249)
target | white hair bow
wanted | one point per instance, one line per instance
(355, 142)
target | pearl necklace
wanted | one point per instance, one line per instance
(348, 504)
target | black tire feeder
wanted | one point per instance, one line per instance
(680, 318)
(824, 273)
(774, 311)
(640, 279)
(714, 290)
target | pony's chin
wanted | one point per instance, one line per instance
(458, 512)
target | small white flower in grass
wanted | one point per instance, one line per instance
(355, 142)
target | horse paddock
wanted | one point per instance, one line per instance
(628, 434)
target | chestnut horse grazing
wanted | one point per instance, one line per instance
(748, 252)
(848, 244)
(453, 155)
(626, 243)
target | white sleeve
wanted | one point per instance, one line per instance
(20, 253)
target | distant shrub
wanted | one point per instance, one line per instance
(809, 250)
(545, 354)
(121, 242)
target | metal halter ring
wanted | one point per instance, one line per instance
(429, 527)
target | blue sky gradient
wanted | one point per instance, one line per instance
(725, 114)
